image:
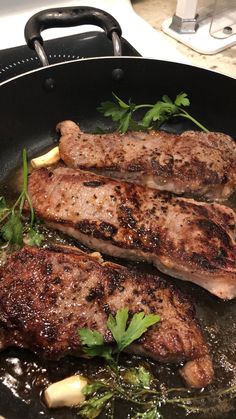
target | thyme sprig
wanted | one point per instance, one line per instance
(146, 402)
(135, 385)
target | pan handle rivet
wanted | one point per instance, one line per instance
(49, 84)
(117, 74)
(227, 30)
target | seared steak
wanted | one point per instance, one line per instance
(186, 239)
(191, 163)
(47, 295)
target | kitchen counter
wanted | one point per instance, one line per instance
(156, 11)
(141, 25)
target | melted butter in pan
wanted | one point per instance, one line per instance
(26, 376)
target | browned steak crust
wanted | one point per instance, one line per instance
(184, 238)
(202, 164)
(47, 295)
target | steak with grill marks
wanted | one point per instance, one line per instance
(186, 239)
(197, 163)
(47, 295)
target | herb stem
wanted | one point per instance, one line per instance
(142, 106)
(25, 171)
(17, 202)
(13, 230)
(31, 209)
(124, 394)
(191, 118)
(25, 176)
(112, 409)
(5, 215)
(157, 113)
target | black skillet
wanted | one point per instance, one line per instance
(32, 104)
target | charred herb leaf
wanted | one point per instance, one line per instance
(138, 387)
(92, 388)
(148, 414)
(158, 113)
(93, 407)
(140, 377)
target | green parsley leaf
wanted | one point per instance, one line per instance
(166, 99)
(158, 113)
(12, 230)
(3, 203)
(117, 114)
(182, 100)
(145, 377)
(4, 210)
(103, 351)
(112, 109)
(139, 377)
(91, 337)
(92, 408)
(125, 123)
(148, 414)
(138, 325)
(94, 344)
(34, 237)
(121, 103)
(120, 112)
(135, 126)
(92, 388)
(117, 325)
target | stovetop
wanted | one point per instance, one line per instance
(18, 60)
(64, 44)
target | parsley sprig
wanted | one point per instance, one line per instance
(94, 406)
(123, 333)
(157, 113)
(13, 227)
(135, 385)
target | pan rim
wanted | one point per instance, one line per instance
(107, 59)
(72, 62)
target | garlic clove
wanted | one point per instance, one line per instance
(67, 392)
(52, 157)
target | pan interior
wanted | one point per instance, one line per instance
(30, 113)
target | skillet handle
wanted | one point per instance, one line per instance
(70, 16)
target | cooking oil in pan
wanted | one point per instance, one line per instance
(26, 375)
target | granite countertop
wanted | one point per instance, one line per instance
(156, 11)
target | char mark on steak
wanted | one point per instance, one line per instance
(196, 163)
(184, 238)
(47, 295)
